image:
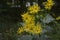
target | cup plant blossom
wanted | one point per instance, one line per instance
(29, 21)
(35, 19)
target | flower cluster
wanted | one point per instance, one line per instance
(31, 18)
(48, 5)
(29, 21)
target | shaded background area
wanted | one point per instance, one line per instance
(10, 11)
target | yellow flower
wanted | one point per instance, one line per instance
(37, 29)
(33, 29)
(58, 18)
(27, 27)
(27, 18)
(34, 9)
(48, 5)
(20, 30)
